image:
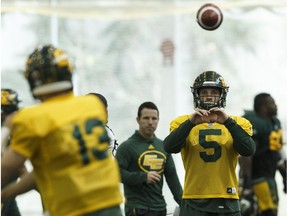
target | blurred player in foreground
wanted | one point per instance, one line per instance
(210, 142)
(65, 139)
(27, 181)
(257, 173)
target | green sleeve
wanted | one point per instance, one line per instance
(242, 141)
(176, 140)
(173, 180)
(128, 177)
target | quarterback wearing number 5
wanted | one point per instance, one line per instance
(210, 142)
(65, 139)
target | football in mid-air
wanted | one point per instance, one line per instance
(209, 16)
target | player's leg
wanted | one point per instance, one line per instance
(267, 197)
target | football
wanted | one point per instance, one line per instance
(209, 16)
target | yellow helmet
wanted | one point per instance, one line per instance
(209, 79)
(48, 70)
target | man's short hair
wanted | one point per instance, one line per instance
(260, 100)
(148, 105)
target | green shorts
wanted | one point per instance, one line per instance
(187, 209)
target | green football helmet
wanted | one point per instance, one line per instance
(48, 70)
(209, 79)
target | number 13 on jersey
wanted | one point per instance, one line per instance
(92, 147)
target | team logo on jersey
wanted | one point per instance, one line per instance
(152, 160)
(151, 147)
(275, 140)
(231, 190)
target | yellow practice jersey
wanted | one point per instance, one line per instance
(67, 143)
(210, 160)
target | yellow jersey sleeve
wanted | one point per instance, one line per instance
(178, 121)
(244, 124)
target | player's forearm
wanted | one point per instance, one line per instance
(133, 178)
(242, 141)
(26, 183)
(175, 187)
(11, 163)
(8, 192)
(173, 180)
(8, 174)
(176, 140)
